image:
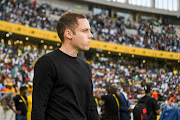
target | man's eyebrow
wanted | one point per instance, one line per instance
(86, 29)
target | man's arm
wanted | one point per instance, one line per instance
(124, 108)
(156, 106)
(42, 85)
(11, 106)
(93, 114)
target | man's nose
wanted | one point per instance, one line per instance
(91, 35)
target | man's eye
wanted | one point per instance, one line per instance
(85, 30)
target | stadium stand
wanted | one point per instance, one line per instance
(104, 28)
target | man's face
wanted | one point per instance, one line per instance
(82, 39)
(24, 92)
(128, 90)
(151, 92)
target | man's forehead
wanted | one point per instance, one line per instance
(82, 20)
(83, 24)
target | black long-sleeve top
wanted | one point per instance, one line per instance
(62, 89)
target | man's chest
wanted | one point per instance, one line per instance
(20, 102)
(74, 75)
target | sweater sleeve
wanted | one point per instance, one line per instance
(42, 85)
(93, 113)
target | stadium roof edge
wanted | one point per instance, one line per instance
(133, 7)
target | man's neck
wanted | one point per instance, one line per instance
(69, 50)
(125, 92)
(125, 95)
(148, 94)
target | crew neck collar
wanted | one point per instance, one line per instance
(66, 54)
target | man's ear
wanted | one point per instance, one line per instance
(68, 34)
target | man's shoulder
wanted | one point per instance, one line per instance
(83, 62)
(143, 99)
(17, 97)
(147, 99)
(121, 94)
(50, 54)
(106, 97)
(153, 100)
(47, 57)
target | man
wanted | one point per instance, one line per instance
(125, 108)
(20, 104)
(112, 103)
(62, 88)
(141, 94)
(153, 109)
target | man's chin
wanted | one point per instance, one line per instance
(85, 49)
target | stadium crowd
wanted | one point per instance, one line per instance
(165, 83)
(104, 28)
(30, 14)
(16, 68)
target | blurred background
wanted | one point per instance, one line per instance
(135, 42)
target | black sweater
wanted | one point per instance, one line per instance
(62, 89)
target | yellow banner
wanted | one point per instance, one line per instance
(134, 50)
(28, 31)
(52, 36)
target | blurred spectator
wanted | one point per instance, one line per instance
(125, 108)
(20, 104)
(153, 109)
(112, 103)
